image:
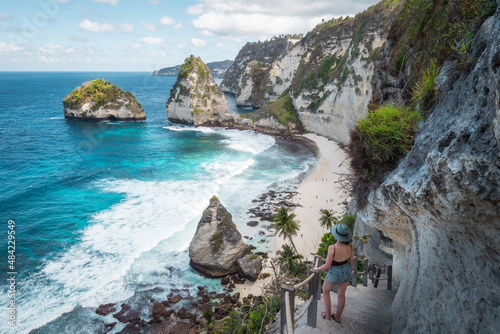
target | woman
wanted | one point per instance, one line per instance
(339, 262)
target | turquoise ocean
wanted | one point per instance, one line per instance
(104, 211)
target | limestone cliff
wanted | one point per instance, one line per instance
(328, 72)
(100, 100)
(248, 76)
(195, 98)
(441, 206)
(217, 245)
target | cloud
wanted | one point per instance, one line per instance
(9, 49)
(96, 27)
(177, 26)
(155, 2)
(50, 48)
(231, 18)
(69, 51)
(4, 17)
(219, 45)
(152, 40)
(198, 42)
(181, 45)
(112, 2)
(195, 10)
(127, 27)
(136, 46)
(167, 21)
(149, 26)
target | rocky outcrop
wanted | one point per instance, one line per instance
(195, 97)
(217, 68)
(278, 118)
(248, 77)
(441, 206)
(217, 245)
(100, 100)
(250, 266)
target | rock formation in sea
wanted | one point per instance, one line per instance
(217, 68)
(195, 98)
(100, 100)
(217, 246)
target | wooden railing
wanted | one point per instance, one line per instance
(288, 318)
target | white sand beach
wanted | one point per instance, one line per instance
(318, 191)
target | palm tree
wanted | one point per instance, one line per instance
(286, 225)
(327, 218)
(287, 258)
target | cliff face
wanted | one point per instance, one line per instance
(195, 98)
(328, 72)
(99, 100)
(248, 76)
(441, 206)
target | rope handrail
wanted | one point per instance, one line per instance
(289, 325)
(304, 282)
(304, 309)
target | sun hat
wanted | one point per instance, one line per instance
(341, 232)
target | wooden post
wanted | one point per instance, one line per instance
(354, 277)
(319, 283)
(365, 274)
(377, 278)
(389, 277)
(291, 290)
(312, 312)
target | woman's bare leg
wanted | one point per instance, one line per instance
(340, 299)
(327, 287)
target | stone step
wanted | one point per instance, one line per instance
(367, 310)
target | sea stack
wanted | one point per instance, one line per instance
(217, 245)
(100, 100)
(195, 98)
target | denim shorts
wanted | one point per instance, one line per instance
(340, 274)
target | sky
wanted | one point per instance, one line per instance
(146, 35)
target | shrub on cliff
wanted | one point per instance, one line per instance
(380, 140)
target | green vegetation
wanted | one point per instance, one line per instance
(186, 68)
(101, 93)
(257, 72)
(381, 139)
(216, 241)
(434, 31)
(424, 91)
(249, 319)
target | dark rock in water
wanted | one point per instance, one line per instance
(225, 280)
(175, 299)
(181, 328)
(159, 311)
(253, 223)
(200, 288)
(109, 326)
(217, 244)
(262, 254)
(105, 309)
(126, 314)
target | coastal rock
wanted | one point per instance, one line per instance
(217, 245)
(441, 206)
(100, 100)
(250, 266)
(127, 314)
(105, 309)
(195, 98)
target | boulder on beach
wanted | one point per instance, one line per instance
(250, 266)
(217, 245)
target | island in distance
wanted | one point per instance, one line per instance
(218, 69)
(100, 100)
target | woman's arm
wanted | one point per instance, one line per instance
(329, 259)
(351, 259)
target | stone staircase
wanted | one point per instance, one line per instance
(367, 311)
